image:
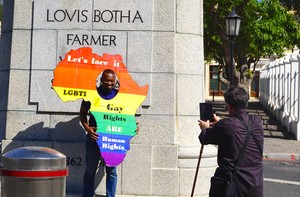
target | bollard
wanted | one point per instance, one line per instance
(33, 172)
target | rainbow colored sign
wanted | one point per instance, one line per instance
(75, 78)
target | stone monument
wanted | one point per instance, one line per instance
(161, 43)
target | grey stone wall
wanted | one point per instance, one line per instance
(162, 45)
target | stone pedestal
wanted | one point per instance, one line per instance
(161, 43)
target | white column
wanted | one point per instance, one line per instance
(286, 88)
(262, 85)
(295, 89)
(276, 88)
(280, 90)
(297, 96)
(267, 79)
(294, 64)
(272, 82)
(294, 126)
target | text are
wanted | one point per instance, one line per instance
(105, 16)
(112, 107)
(74, 93)
(84, 39)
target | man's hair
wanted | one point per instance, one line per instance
(237, 97)
(108, 71)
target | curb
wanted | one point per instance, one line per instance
(281, 156)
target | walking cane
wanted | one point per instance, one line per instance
(196, 174)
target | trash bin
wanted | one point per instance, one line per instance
(33, 172)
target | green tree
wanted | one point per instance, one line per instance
(268, 28)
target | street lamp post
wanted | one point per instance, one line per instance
(233, 22)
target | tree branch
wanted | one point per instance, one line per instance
(242, 5)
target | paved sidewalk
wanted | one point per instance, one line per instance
(281, 148)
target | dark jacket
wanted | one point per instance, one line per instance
(229, 134)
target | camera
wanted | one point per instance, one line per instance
(206, 111)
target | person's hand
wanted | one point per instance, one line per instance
(92, 132)
(207, 124)
(215, 119)
(204, 124)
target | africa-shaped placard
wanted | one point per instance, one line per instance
(75, 78)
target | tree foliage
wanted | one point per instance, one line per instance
(268, 27)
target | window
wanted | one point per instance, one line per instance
(215, 85)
